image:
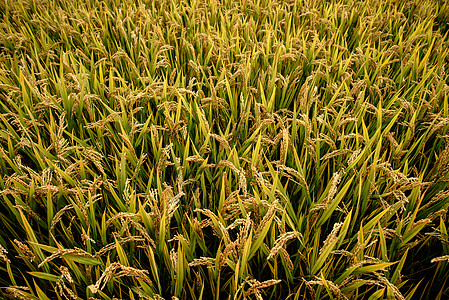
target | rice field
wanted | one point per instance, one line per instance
(245, 149)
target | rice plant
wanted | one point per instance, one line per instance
(246, 149)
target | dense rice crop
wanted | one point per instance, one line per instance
(239, 149)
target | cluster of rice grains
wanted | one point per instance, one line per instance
(244, 149)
